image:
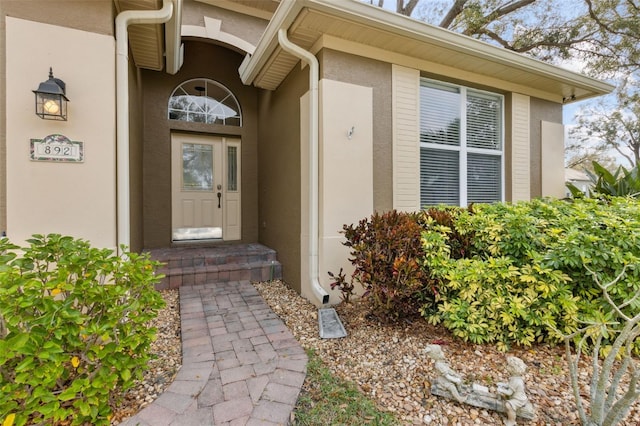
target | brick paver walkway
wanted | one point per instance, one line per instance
(240, 363)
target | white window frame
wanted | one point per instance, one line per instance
(463, 149)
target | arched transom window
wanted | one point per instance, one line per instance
(204, 101)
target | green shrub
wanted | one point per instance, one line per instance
(621, 183)
(525, 275)
(386, 252)
(74, 333)
(460, 238)
(603, 236)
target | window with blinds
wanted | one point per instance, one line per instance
(461, 145)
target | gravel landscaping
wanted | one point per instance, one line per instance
(387, 362)
(162, 370)
(389, 365)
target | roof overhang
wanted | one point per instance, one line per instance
(361, 29)
(262, 9)
(155, 46)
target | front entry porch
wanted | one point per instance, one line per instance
(187, 266)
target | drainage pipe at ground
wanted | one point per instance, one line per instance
(314, 76)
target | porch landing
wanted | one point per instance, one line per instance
(188, 266)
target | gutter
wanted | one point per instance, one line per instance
(282, 18)
(174, 54)
(403, 26)
(314, 76)
(123, 20)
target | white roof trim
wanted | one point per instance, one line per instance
(211, 30)
(376, 17)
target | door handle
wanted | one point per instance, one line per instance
(219, 198)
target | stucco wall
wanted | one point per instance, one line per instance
(362, 71)
(242, 26)
(345, 171)
(87, 15)
(541, 110)
(135, 158)
(280, 172)
(68, 198)
(202, 60)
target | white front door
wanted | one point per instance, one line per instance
(205, 187)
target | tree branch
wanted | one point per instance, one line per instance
(505, 10)
(622, 406)
(605, 290)
(456, 9)
(502, 42)
(406, 9)
(573, 374)
(497, 13)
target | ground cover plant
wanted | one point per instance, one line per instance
(73, 333)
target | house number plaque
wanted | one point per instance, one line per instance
(57, 148)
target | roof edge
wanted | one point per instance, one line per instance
(403, 25)
(282, 18)
(408, 27)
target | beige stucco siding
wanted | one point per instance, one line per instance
(87, 15)
(135, 158)
(523, 115)
(244, 27)
(540, 110)
(340, 66)
(552, 159)
(280, 172)
(345, 169)
(202, 60)
(68, 198)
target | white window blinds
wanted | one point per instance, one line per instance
(439, 177)
(460, 145)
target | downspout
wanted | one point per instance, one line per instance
(314, 74)
(123, 20)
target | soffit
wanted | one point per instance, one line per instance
(423, 44)
(146, 41)
(258, 8)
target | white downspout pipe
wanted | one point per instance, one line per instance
(123, 20)
(314, 76)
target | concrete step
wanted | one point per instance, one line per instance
(199, 265)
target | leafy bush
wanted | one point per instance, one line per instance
(346, 287)
(621, 183)
(386, 252)
(74, 333)
(605, 236)
(460, 239)
(500, 273)
(525, 275)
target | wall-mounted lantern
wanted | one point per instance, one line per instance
(51, 99)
